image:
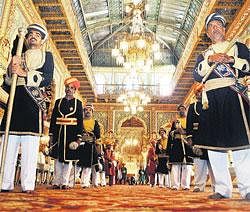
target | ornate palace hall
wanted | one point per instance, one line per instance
(124, 88)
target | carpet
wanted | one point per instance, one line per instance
(118, 198)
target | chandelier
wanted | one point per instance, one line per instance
(133, 101)
(137, 49)
(134, 97)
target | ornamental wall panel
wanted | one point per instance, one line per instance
(102, 118)
(164, 119)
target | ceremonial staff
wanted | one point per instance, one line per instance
(21, 34)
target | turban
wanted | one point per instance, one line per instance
(89, 105)
(213, 17)
(179, 106)
(42, 30)
(73, 81)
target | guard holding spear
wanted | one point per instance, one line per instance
(22, 122)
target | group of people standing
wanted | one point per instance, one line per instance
(171, 152)
(73, 131)
(216, 123)
(75, 140)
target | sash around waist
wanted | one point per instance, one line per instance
(163, 155)
(216, 83)
(179, 136)
(66, 121)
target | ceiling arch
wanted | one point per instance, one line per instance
(177, 23)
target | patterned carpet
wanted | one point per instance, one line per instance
(118, 198)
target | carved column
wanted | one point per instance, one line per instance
(153, 125)
(110, 117)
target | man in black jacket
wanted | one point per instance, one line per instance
(87, 150)
(224, 122)
(202, 165)
(35, 70)
(66, 131)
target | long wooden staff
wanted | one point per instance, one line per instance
(21, 33)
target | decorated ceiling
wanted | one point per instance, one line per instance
(85, 31)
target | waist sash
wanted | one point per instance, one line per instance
(179, 136)
(225, 71)
(66, 121)
(86, 137)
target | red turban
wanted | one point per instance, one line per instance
(73, 81)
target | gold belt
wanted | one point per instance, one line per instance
(66, 121)
(178, 136)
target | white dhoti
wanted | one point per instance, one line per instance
(85, 177)
(181, 176)
(29, 152)
(164, 180)
(223, 181)
(202, 168)
(62, 173)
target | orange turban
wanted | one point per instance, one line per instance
(73, 81)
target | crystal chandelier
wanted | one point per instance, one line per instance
(136, 49)
(134, 97)
(133, 101)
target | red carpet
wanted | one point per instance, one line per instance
(118, 198)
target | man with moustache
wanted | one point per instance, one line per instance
(65, 133)
(224, 122)
(35, 70)
(88, 154)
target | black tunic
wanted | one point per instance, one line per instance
(88, 155)
(175, 148)
(162, 159)
(193, 124)
(26, 116)
(63, 134)
(222, 126)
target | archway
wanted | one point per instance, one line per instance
(132, 141)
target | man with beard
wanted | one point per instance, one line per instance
(224, 122)
(180, 152)
(34, 70)
(65, 133)
(87, 150)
